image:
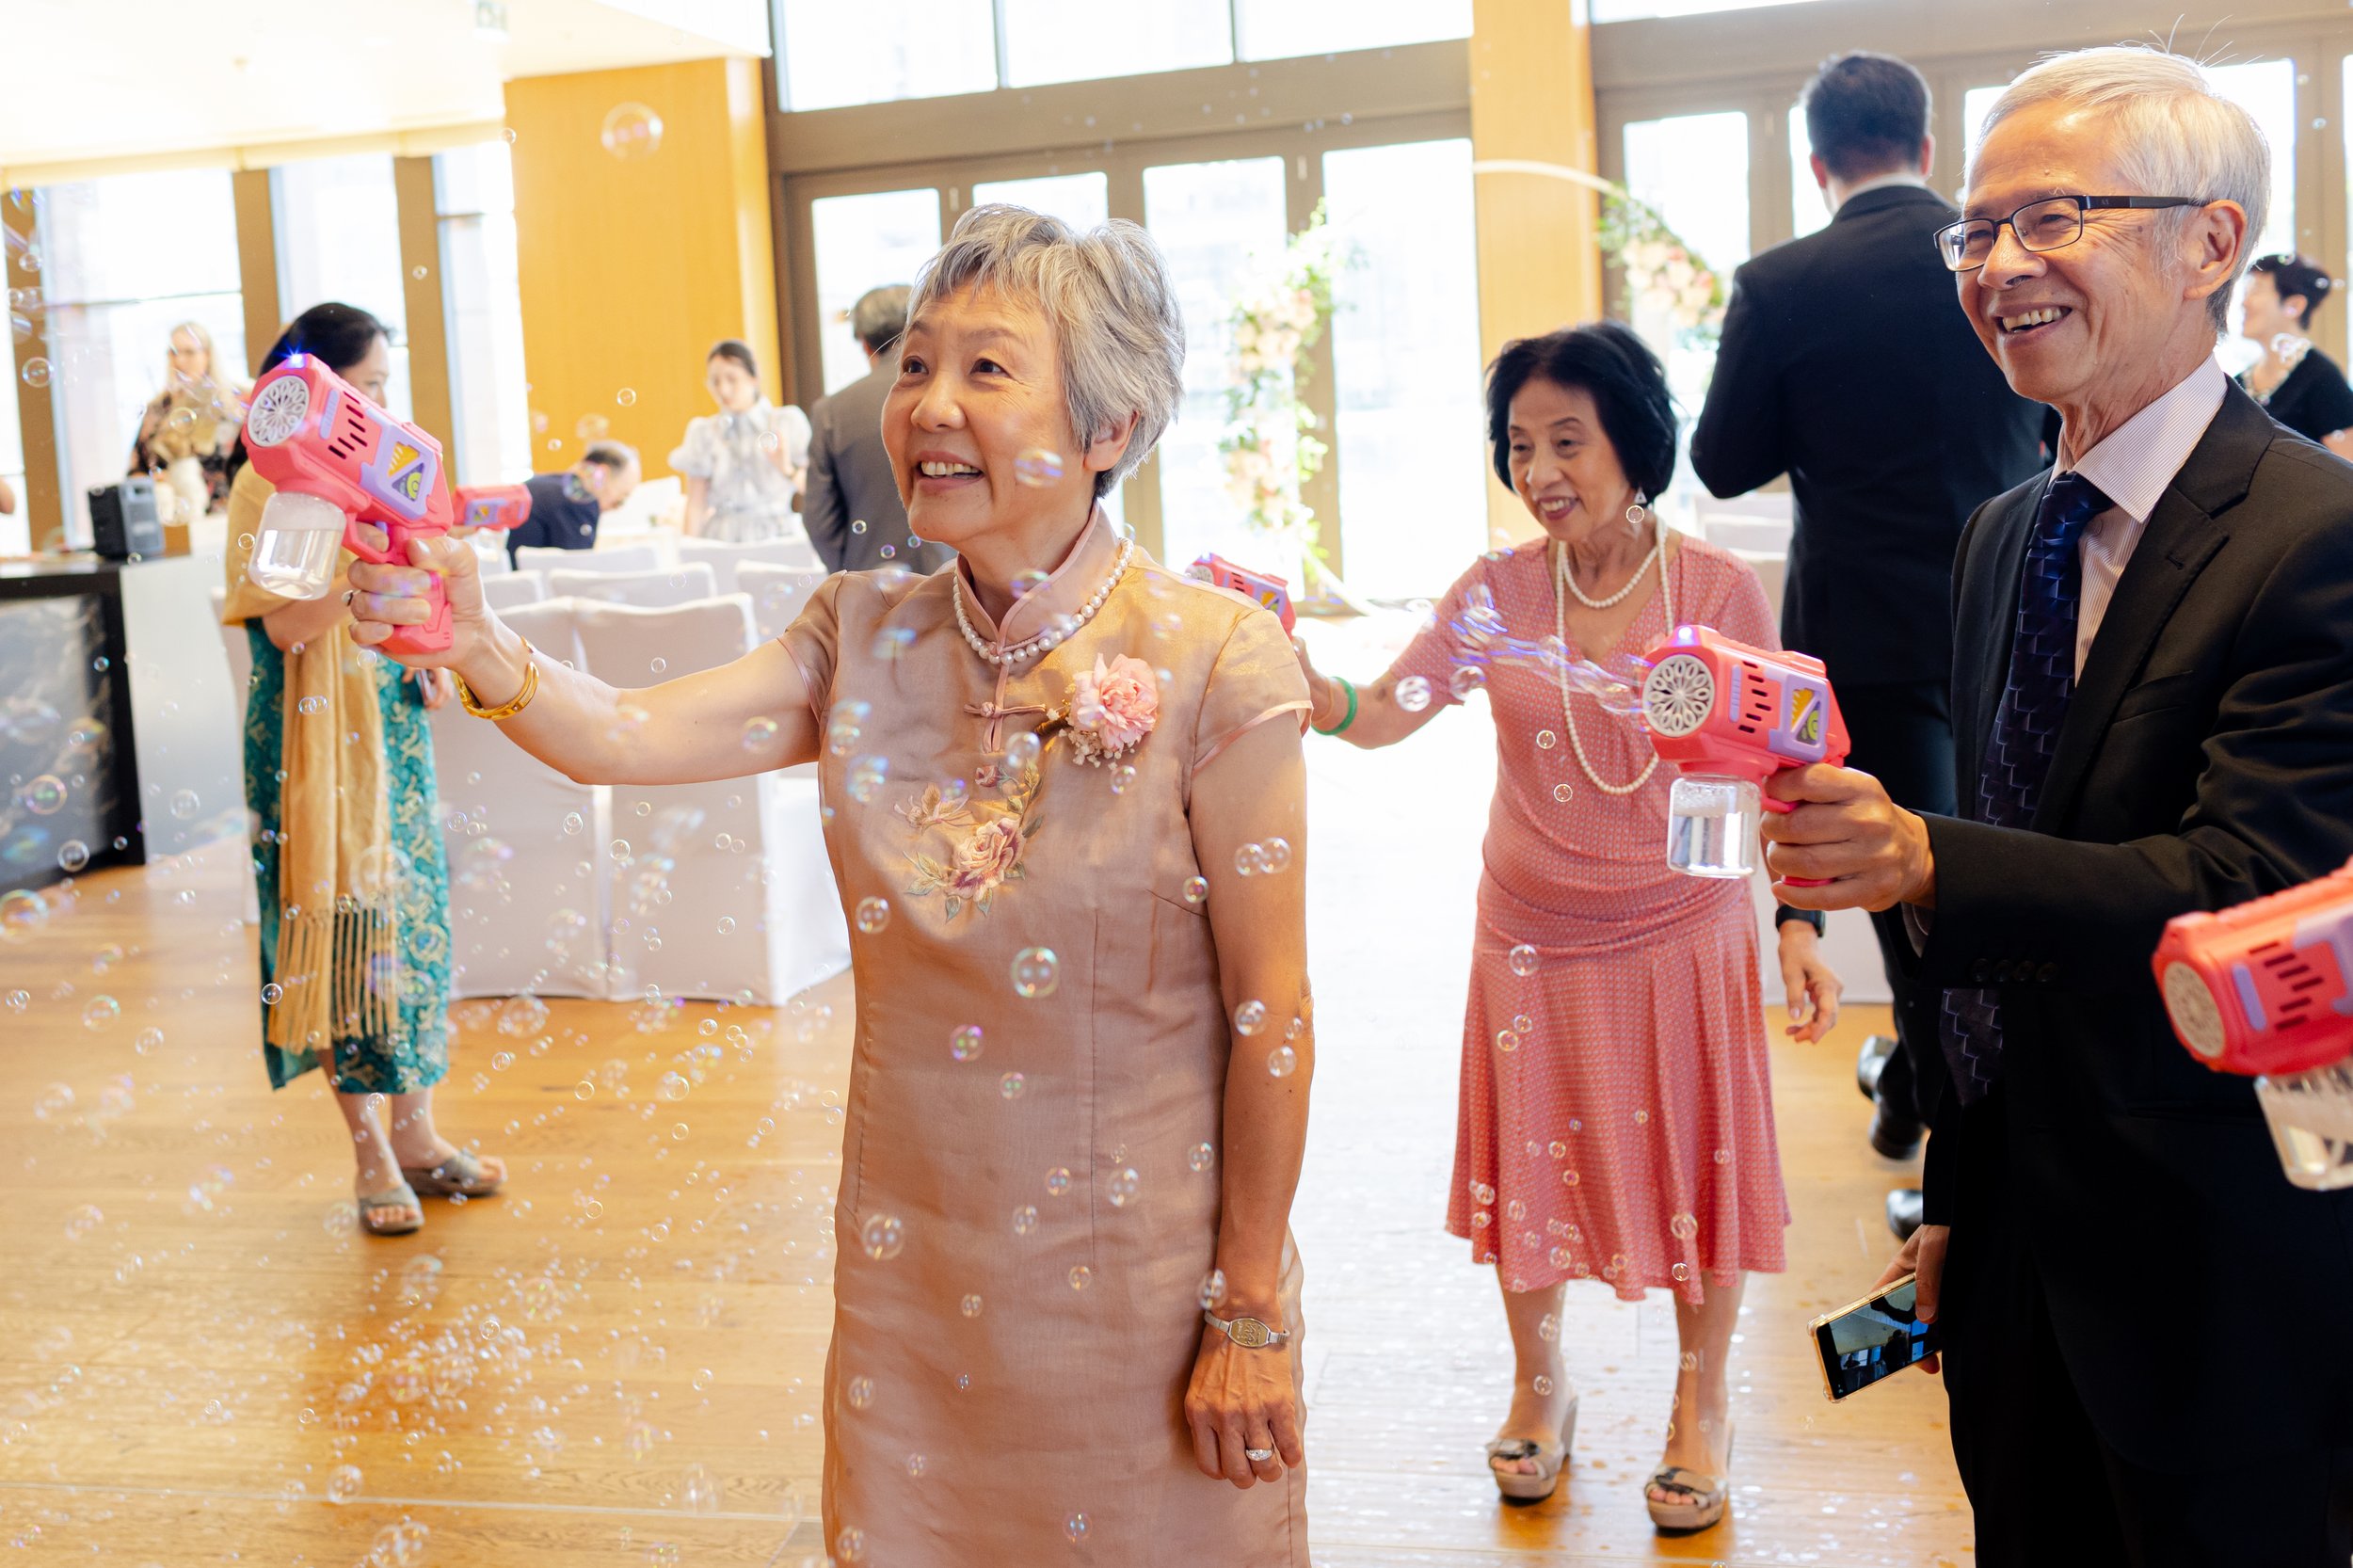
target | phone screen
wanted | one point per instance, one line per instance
(1873, 1340)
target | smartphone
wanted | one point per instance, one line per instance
(1876, 1337)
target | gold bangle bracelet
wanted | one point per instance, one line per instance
(509, 709)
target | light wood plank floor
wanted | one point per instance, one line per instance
(617, 1362)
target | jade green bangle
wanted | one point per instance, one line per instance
(1350, 687)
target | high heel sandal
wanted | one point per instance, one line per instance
(1705, 1497)
(460, 1175)
(1549, 1458)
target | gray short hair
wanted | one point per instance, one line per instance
(1107, 293)
(2180, 137)
(880, 315)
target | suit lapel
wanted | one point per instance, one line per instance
(2191, 523)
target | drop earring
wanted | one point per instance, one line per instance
(1635, 515)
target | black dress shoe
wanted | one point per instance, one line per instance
(1895, 1137)
(1868, 1063)
(1904, 1211)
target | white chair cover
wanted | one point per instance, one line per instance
(635, 557)
(240, 652)
(725, 890)
(779, 594)
(650, 590)
(490, 550)
(515, 587)
(725, 557)
(527, 850)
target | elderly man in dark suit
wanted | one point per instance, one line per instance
(850, 504)
(2144, 1323)
(1845, 366)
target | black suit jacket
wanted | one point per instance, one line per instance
(1848, 363)
(2206, 759)
(851, 480)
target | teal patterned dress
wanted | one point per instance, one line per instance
(416, 1056)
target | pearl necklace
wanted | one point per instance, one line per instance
(1561, 674)
(1619, 598)
(1002, 654)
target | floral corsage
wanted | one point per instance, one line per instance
(1112, 707)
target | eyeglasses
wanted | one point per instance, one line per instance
(2050, 224)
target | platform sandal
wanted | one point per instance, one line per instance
(1519, 1489)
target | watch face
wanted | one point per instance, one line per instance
(1250, 1333)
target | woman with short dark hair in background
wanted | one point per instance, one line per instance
(1616, 1117)
(2296, 384)
(347, 846)
(743, 465)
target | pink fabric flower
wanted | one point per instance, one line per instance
(1118, 703)
(985, 858)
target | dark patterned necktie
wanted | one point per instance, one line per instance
(2026, 735)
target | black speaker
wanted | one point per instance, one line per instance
(122, 520)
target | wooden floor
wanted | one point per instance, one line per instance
(618, 1360)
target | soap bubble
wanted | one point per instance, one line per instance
(845, 724)
(860, 1392)
(1507, 1041)
(1250, 1017)
(965, 1043)
(22, 911)
(1413, 693)
(1201, 1157)
(1011, 1086)
(185, 804)
(1563, 792)
(1075, 1527)
(1546, 740)
(1212, 1289)
(1080, 1276)
(37, 372)
(874, 914)
(1276, 856)
(272, 994)
(1465, 680)
(1022, 750)
(72, 855)
(150, 1040)
(572, 825)
(1196, 889)
(1250, 859)
(850, 1543)
(1524, 960)
(343, 1484)
(882, 1236)
(81, 1220)
(1025, 581)
(626, 396)
(100, 1012)
(1683, 1227)
(631, 130)
(45, 795)
(1122, 1187)
(1025, 1219)
(53, 1103)
(1282, 1062)
(1037, 467)
(1058, 1182)
(867, 775)
(1035, 973)
(971, 1305)
(1122, 776)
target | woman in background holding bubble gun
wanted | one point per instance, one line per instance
(1064, 791)
(1616, 1113)
(347, 841)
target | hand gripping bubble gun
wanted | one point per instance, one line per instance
(338, 461)
(495, 508)
(2266, 990)
(1730, 716)
(1272, 592)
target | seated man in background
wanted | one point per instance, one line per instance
(565, 508)
(850, 503)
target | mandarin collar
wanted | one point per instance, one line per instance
(1065, 590)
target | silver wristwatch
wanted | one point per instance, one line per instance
(1251, 1334)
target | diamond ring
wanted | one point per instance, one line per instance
(1257, 1456)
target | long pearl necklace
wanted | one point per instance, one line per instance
(1619, 598)
(1562, 578)
(1004, 654)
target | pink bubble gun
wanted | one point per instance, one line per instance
(1730, 716)
(497, 508)
(2266, 991)
(338, 461)
(1271, 591)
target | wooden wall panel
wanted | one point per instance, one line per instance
(429, 394)
(257, 261)
(632, 268)
(1531, 100)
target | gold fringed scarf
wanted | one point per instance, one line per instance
(338, 933)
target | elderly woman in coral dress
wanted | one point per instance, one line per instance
(1616, 1115)
(1062, 790)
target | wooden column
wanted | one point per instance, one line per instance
(1531, 104)
(42, 505)
(421, 294)
(634, 267)
(257, 262)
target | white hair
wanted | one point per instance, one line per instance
(1107, 293)
(2177, 136)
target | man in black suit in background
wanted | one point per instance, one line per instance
(2144, 1323)
(850, 506)
(1846, 365)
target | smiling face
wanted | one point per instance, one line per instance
(980, 388)
(1563, 466)
(2267, 316)
(732, 387)
(2064, 324)
(372, 373)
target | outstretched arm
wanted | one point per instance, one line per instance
(743, 718)
(1380, 718)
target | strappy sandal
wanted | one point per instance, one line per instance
(391, 1198)
(1549, 1458)
(460, 1176)
(1704, 1496)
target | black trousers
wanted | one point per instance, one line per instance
(2046, 1489)
(1903, 737)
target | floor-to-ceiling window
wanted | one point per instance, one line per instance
(865, 241)
(473, 203)
(338, 227)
